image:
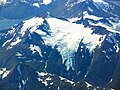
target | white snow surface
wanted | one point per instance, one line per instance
(19, 69)
(47, 1)
(31, 24)
(43, 74)
(111, 29)
(67, 37)
(4, 72)
(40, 32)
(36, 5)
(63, 34)
(35, 48)
(86, 15)
(18, 54)
(18, 40)
(44, 81)
(9, 32)
(73, 19)
(61, 78)
(100, 2)
(88, 85)
(3, 1)
(90, 9)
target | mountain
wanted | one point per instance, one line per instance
(69, 47)
(17, 9)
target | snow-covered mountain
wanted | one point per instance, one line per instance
(75, 47)
(17, 9)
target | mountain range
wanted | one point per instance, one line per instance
(59, 45)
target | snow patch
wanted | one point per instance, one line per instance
(19, 70)
(18, 54)
(90, 9)
(61, 78)
(108, 28)
(100, 2)
(117, 48)
(31, 25)
(36, 5)
(88, 85)
(3, 1)
(67, 36)
(17, 40)
(35, 48)
(40, 32)
(48, 79)
(47, 1)
(11, 32)
(42, 73)
(44, 81)
(86, 15)
(4, 72)
(111, 80)
(73, 19)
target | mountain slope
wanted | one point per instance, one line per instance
(75, 49)
(64, 8)
(50, 45)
